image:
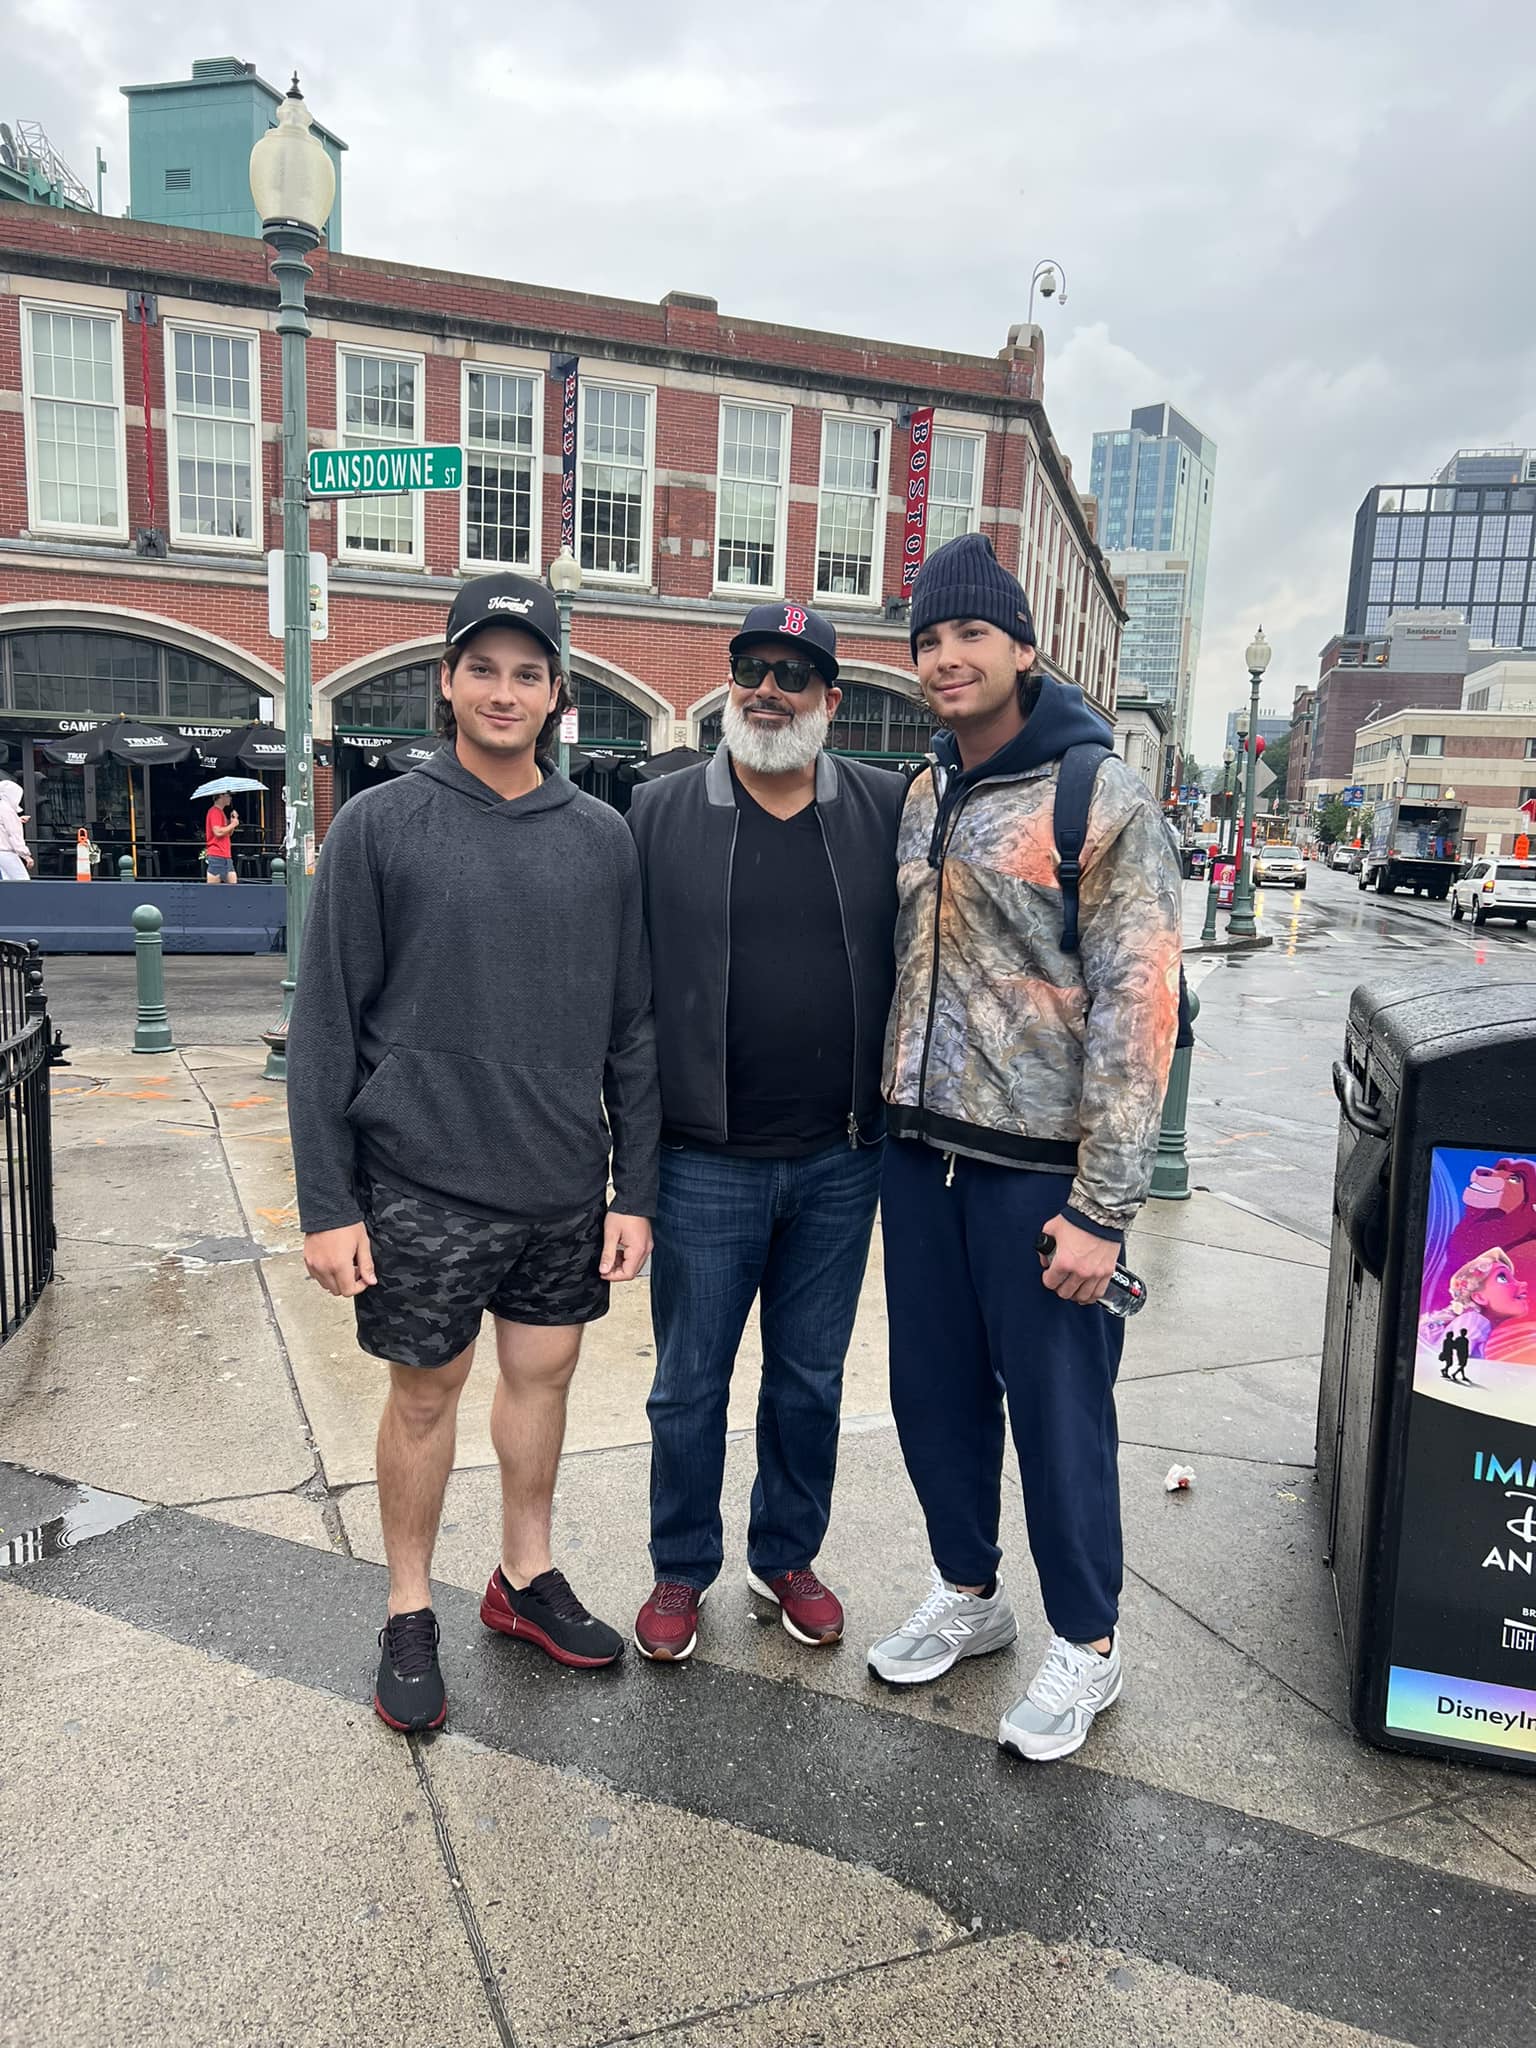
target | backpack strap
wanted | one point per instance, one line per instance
(1074, 794)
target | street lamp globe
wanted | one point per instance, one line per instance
(1242, 724)
(1229, 757)
(292, 178)
(1258, 653)
(565, 574)
(1449, 797)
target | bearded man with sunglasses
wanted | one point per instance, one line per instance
(770, 895)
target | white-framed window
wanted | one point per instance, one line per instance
(614, 486)
(1426, 743)
(752, 496)
(503, 474)
(213, 411)
(1423, 792)
(379, 405)
(954, 486)
(850, 516)
(72, 390)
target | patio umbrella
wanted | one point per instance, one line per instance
(409, 754)
(248, 746)
(137, 746)
(668, 763)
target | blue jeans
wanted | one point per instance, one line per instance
(796, 1233)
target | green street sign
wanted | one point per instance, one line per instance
(383, 472)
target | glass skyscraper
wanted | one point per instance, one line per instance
(1447, 547)
(1154, 646)
(1154, 482)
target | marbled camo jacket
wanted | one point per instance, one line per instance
(1002, 1046)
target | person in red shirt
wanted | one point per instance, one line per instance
(219, 828)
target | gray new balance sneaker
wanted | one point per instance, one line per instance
(1054, 1716)
(947, 1626)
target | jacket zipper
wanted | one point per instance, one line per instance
(933, 978)
(725, 996)
(853, 984)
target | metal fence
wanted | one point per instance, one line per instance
(28, 1047)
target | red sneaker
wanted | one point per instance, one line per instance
(810, 1611)
(667, 1626)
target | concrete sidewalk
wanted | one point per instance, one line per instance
(208, 1837)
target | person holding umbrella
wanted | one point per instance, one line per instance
(220, 824)
(219, 828)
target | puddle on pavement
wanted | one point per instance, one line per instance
(93, 1514)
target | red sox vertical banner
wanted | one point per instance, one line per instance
(565, 368)
(915, 543)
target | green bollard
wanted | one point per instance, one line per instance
(1170, 1173)
(279, 871)
(125, 867)
(152, 1030)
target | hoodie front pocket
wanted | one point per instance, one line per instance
(507, 1136)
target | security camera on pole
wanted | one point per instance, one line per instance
(1240, 924)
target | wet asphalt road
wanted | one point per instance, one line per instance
(1263, 1121)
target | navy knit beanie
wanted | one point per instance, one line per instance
(965, 580)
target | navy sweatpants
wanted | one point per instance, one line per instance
(971, 1321)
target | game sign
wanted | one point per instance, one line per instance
(1463, 1637)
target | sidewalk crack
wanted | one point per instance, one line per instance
(485, 1969)
(270, 1305)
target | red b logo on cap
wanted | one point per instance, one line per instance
(794, 619)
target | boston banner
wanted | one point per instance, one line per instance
(565, 369)
(915, 543)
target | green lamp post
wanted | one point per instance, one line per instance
(1240, 924)
(293, 183)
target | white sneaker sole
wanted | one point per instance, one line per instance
(903, 1674)
(672, 1656)
(764, 1591)
(1069, 1745)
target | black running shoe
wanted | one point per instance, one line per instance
(408, 1692)
(548, 1613)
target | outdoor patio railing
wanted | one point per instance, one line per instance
(29, 1046)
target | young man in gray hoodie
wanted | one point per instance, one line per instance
(472, 1029)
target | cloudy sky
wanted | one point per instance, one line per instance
(1284, 219)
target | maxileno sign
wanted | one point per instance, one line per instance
(375, 472)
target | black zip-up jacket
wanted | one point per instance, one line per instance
(685, 828)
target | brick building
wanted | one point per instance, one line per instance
(1418, 663)
(719, 462)
(1485, 760)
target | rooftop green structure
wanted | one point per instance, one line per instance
(190, 143)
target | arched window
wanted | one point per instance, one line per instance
(607, 719)
(399, 701)
(77, 673)
(872, 724)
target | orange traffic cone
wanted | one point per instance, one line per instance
(82, 855)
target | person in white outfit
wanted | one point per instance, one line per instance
(16, 862)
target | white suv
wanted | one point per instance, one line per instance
(1496, 888)
(1277, 866)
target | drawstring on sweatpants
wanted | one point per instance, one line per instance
(949, 1178)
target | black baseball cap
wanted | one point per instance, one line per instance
(786, 621)
(506, 600)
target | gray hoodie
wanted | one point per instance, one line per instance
(474, 991)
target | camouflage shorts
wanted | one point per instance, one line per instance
(440, 1270)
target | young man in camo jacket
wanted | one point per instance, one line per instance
(1024, 1082)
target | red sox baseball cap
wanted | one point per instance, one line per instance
(506, 600)
(785, 621)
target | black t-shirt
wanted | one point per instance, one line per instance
(789, 1008)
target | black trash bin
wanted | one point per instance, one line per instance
(1426, 1438)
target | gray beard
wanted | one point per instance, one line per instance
(785, 751)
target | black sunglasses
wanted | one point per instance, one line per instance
(792, 676)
